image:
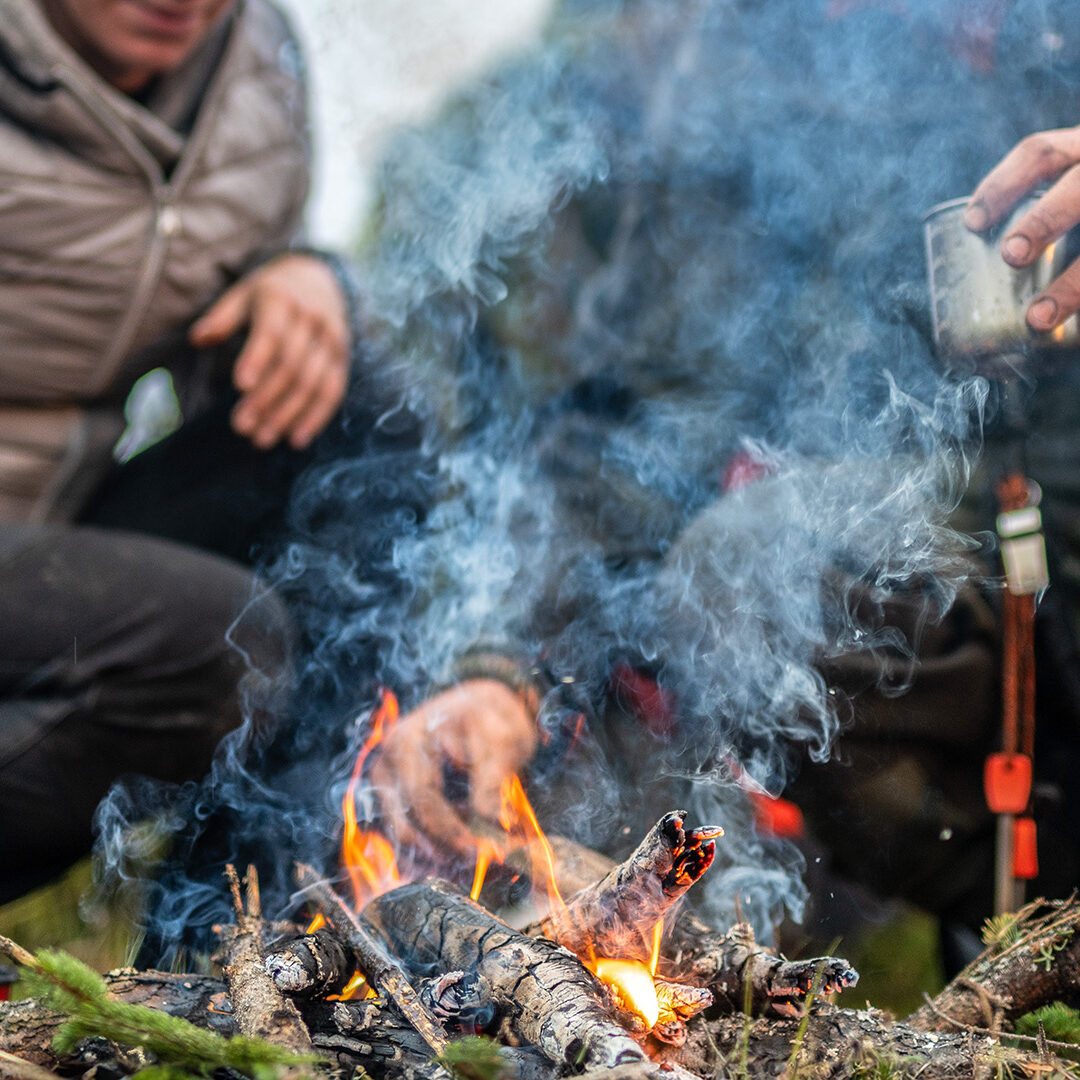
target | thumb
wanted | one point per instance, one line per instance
(227, 315)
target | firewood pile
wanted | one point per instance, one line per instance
(594, 987)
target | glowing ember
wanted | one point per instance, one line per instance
(632, 984)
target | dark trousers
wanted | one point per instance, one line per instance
(123, 652)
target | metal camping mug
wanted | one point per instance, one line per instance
(978, 301)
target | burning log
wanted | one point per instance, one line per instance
(542, 994)
(258, 1005)
(616, 915)
(739, 971)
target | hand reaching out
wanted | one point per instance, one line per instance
(480, 727)
(1048, 156)
(293, 369)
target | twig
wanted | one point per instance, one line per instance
(975, 1030)
(21, 956)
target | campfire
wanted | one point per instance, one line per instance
(604, 977)
(388, 974)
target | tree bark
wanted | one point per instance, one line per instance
(259, 1006)
(1036, 961)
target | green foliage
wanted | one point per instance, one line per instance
(474, 1058)
(1060, 1022)
(184, 1050)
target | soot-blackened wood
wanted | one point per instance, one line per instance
(380, 969)
(309, 965)
(844, 1040)
(616, 915)
(1036, 961)
(260, 1008)
(742, 973)
(543, 994)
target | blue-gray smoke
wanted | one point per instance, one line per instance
(679, 234)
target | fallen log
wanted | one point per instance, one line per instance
(615, 916)
(1034, 960)
(543, 995)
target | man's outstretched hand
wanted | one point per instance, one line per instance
(1048, 156)
(481, 728)
(293, 369)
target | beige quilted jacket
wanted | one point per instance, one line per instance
(119, 222)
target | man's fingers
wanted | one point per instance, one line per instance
(269, 325)
(291, 374)
(1048, 220)
(1037, 159)
(224, 317)
(1060, 300)
(321, 408)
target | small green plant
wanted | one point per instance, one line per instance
(474, 1058)
(1060, 1022)
(1001, 931)
(181, 1049)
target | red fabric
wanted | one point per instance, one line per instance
(742, 471)
(654, 706)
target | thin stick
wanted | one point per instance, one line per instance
(383, 973)
(17, 953)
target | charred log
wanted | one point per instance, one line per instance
(616, 915)
(543, 995)
(382, 972)
(745, 975)
(741, 973)
(314, 964)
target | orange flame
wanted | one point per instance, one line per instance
(367, 855)
(316, 924)
(519, 820)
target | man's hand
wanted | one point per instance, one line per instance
(293, 369)
(480, 727)
(1040, 158)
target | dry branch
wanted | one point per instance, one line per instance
(258, 1005)
(543, 994)
(616, 915)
